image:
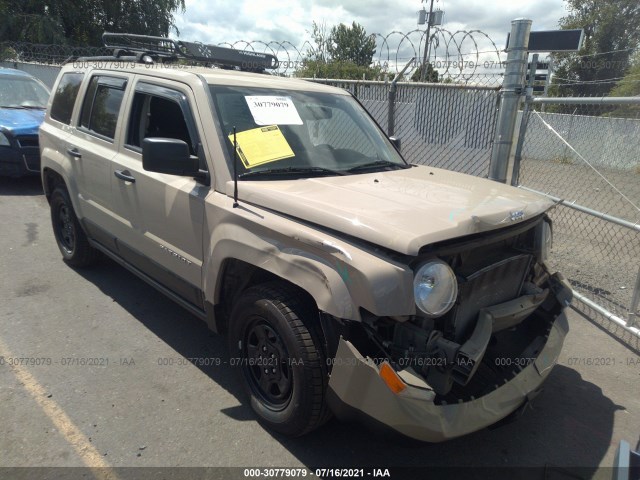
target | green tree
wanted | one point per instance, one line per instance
(351, 44)
(82, 22)
(342, 53)
(430, 77)
(321, 39)
(611, 33)
(337, 70)
(629, 85)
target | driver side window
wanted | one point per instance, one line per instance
(157, 116)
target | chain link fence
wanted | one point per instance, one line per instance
(588, 154)
(446, 125)
(442, 125)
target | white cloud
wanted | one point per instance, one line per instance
(220, 21)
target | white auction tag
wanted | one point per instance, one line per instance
(272, 110)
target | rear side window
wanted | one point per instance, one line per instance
(101, 105)
(65, 97)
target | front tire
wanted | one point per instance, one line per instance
(70, 237)
(281, 364)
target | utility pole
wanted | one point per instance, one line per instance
(427, 44)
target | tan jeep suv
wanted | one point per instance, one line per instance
(348, 281)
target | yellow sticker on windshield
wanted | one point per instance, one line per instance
(262, 145)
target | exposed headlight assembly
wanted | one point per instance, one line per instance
(4, 141)
(435, 288)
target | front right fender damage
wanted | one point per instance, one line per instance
(341, 278)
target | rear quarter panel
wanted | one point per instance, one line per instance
(54, 136)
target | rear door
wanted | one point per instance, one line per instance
(92, 146)
(160, 217)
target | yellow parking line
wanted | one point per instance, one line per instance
(100, 469)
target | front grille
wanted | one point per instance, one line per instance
(492, 285)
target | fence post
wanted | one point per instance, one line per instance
(547, 82)
(524, 122)
(391, 118)
(634, 308)
(514, 78)
(391, 113)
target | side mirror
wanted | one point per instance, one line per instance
(396, 142)
(168, 155)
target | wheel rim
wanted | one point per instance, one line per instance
(266, 366)
(66, 229)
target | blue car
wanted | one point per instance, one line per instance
(23, 101)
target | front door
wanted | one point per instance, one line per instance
(160, 216)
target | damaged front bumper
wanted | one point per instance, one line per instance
(362, 389)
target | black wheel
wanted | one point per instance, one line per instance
(282, 367)
(71, 239)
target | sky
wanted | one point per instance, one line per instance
(218, 21)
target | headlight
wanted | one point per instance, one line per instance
(435, 288)
(544, 240)
(4, 141)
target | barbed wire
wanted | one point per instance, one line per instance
(569, 81)
(449, 54)
(462, 56)
(632, 49)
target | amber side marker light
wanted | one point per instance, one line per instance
(391, 378)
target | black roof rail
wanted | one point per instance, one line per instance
(164, 49)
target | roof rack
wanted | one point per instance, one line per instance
(146, 49)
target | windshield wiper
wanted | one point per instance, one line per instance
(292, 171)
(376, 164)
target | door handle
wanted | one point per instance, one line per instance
(74, 152)
(124, 175)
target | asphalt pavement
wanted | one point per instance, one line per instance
(99, 370)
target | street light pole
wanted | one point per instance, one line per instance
(427, 44)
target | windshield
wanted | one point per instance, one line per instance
(17, 92)
(295, 133)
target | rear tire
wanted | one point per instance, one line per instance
(70, 237)
(281, 364)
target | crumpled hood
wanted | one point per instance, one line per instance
(402, 210)
(21, 121)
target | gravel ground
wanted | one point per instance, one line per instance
(574, 181)
(601, 259)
